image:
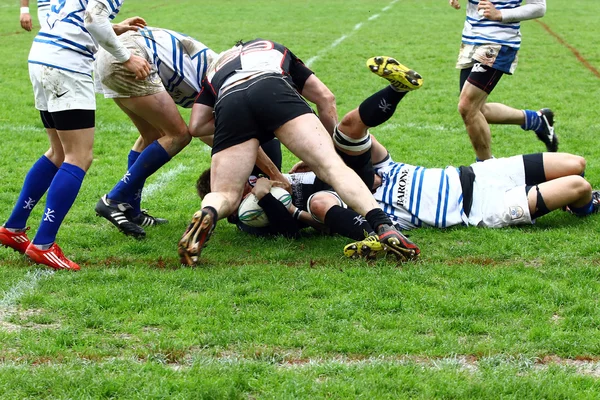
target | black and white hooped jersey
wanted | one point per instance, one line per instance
(415, 196)
(479, 30)
(253, 58)
(181, 62)
(65, 43)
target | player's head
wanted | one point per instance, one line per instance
(203, 184)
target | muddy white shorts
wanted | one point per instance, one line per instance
(57, 89)
(499, 193)
(115, 81)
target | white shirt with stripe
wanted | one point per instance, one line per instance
(181, 61)
(479, 30)
(416, 196)
(65, 43)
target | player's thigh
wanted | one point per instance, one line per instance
(306, 137)
(159, 110)
(147, 131)
(556, 165)
(231, 167)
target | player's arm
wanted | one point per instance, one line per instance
(454, 4)
(97, 22)
(26, 16)
(533, 9)
(281, 220)
(317, 92)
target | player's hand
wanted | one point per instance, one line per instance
(299, 167)
(489, 10)
(454, 3)
(277, 179)
(139, 66)
(130, 24)
(26, 22)
(261, 188)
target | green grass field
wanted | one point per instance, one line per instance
(507, 313)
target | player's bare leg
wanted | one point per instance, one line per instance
(572, 191)
(230, 169)
(470, 106)
(557, 165)
(165, 134)
(306, 137)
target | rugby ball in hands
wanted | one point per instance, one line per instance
(251, 214)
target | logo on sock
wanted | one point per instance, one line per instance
(359, 220)
(29, 204)
(125, 178)
(49, 215)
(138, 195)
(384, 106)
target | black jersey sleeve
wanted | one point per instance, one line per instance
(298, 71)
(206, 95)
(280, 220)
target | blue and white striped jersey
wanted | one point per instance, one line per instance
(416, 196)
(181, 61)
(479, 30)
(65, 43)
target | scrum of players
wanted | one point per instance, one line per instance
(246, 101)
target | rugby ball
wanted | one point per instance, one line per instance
(251, 214)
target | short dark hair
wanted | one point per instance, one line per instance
(203, 184)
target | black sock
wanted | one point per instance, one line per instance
(376, 217)
(347, 223)
(213, 213)
(380, 107)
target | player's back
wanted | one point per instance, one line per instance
(479, 30)
(181, 62)
(415, 196)
(65, 43)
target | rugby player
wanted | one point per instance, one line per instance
(255, 92)
(179, 63)
(60, 69)
(491, 39)
(43, 9)
(495, 193)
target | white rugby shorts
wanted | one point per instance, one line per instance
(57, 89)
(499, 197)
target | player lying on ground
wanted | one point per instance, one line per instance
(495, 193)
(60, 69)
(254, 90)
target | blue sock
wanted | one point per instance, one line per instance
(533, 122)
(150, 160)
(132, 157)
(36, 183)
(61, 195)
(136, 198)
(582, 211)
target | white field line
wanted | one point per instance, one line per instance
(163, 179)
(459, 362)
(339, 40)
(10, 298)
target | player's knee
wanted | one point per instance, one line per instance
(579, 164)
(582, 186)
(320, 203)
